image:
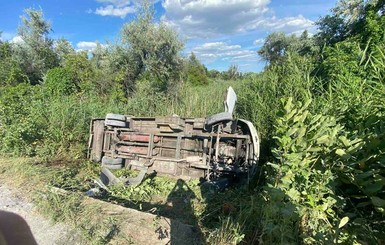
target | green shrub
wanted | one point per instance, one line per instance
(58, 82)
(18, 130)
(79, 68)
(195, 71)
(301, 181)
(10, 71)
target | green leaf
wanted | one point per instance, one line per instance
(276, 166)
(362, 204)
(303, 116)
(315, 149)
(343, 222)
(301, 132)
(291, 131)
(288, 105)
(345, 141)
(323, 139)
(294, 195)
(373, 188)
(364, 175)
(315, 119)
(307, 103)
(290, 115)
(296, 118)
(340, 152)
(378, 202)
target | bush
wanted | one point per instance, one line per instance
(79, 68)
(302, 180)
(58, 82)
(10, 71)
(19, 132)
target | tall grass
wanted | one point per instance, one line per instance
(33, 122)
(320, 189)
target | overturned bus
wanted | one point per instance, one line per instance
(218, 146)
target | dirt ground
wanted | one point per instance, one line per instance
(44, 231)
(140, 227)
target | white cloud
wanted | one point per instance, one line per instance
(118, 8)
(111, 10)
(6, 36)
(259, 42)
(88, 46)
(11, 37)
(221, 46)
(212, 51)
(207, 18)
(122, 3)
(118, 3)
(17, 40)
(288, 24)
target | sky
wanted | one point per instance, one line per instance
(219, 32)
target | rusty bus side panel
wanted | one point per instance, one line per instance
(95, 145)
(177, 146)
(208, 148)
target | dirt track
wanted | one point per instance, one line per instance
(140, 227)
(44, 231)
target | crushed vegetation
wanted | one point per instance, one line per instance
(59, 190)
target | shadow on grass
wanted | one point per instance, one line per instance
(216, 215)
(177, 206)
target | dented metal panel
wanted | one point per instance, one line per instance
(210, 148)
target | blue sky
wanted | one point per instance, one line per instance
(219, 32)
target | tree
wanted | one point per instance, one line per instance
(153, 49)
(339, 25)
(307, 45)
(214, 74)
(126, 67)
(369, 28)
(232, 73)
(63, 48)
(35, 53)
(332, 29)
(99, 57)
(353, 18)
(10, 71)
(352, 41)
(80, 70)
(277, 44)
(274, 47)
(195, 71)
(111, 65)
(75, 76)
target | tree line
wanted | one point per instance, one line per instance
(146, 50)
